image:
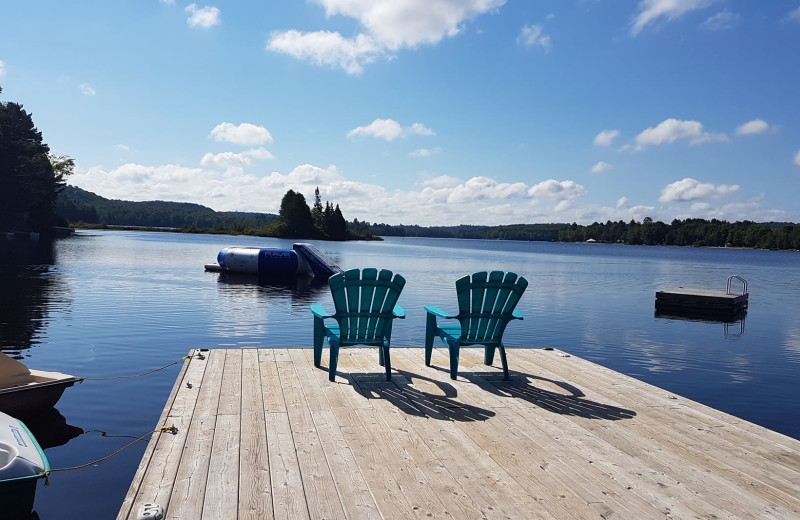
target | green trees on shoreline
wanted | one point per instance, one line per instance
(297, 220)
(689, 232)
(327, 222)
(30, 175)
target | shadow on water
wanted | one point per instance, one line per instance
(27, 284)
(49, 427)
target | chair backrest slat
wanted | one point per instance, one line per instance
(364, 301)
(485, 303)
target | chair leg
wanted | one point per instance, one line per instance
(319, 339)
(454, 346)
(387, 362)
(334, 359)
(504, 362)
(430, 335)
(488, 355)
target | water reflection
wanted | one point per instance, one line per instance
(50, 428)
(732, 324)
(252, 308)
(28, 287)
(301, 289)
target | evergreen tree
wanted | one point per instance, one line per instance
(317, 212)
(28, 182)
(338, 226)
(295, 217)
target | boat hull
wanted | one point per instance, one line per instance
(22, 400)
(22, 464)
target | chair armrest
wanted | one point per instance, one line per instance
(516, 315)
(436, 311)
(399, 312)
(320, 312)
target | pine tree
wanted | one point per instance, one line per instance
(28, 182)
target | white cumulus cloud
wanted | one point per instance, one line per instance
(670, 130)
(425, 152)
(442, 181)
(203, 17)
(235, 160)
(606, 137)
(533, 36)
(246, 134)
(87, 89)
(797, 159)
(388, 26)
(481, 188)
(754, 127)
(411, 22)
(552, 189)
(650, 11)
(690, 189)
(389, 130)
(325, 48)
(721, 21)
(601, 167)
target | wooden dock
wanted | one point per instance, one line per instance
(262, 433)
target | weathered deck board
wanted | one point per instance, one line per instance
(264, 434)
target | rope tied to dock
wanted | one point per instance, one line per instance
(164, 429)
(198, 355)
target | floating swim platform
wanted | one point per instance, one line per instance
(704, 302)
(302, 259)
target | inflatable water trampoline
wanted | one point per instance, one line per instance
(302, 260)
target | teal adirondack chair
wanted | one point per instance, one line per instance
(365, 303)
(485, 306)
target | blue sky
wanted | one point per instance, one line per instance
(430, 112)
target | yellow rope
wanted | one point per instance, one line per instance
(200, 355)
(171, 429)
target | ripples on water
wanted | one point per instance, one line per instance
(111, 303)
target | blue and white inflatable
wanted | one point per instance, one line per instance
(302, 259)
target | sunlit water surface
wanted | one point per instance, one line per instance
(112, 303)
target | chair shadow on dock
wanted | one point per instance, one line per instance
(410, 399)
(408, 393)
(519, 386)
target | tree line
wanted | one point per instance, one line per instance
(689, 232)
(86, 209)
(295, 220)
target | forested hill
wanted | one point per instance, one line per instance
(81, 206)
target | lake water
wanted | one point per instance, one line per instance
(113, 303)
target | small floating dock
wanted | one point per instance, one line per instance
(262, 433)
(703, 302)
